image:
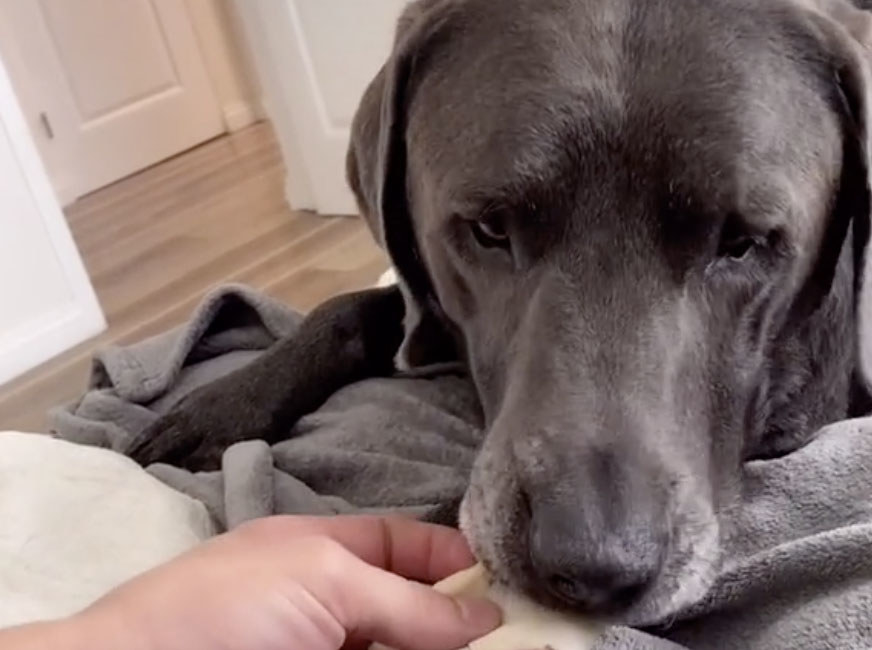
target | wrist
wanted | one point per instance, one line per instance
(98, 629)
(80, 632)
(68, 633)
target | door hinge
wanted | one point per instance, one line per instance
(43, 118)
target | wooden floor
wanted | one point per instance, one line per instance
(156, 242)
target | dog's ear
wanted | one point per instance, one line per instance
(376, 170)
(846, 31)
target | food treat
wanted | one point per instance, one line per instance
(526, 625)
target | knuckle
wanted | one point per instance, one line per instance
(327, 555)
(257, 530)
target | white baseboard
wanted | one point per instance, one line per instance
(66, 194)
(297, 194)
(239, 115)
(25, 349)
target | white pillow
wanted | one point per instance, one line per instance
(77, 521)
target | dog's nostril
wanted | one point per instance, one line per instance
(524, 503)
(625, 596)
(565, 588)
(597, 592)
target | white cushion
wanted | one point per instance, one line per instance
(77, 521)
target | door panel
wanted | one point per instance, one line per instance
(109, 69)
(122, 83)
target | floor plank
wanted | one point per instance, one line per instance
(156, 242)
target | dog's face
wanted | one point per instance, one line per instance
(625, 212)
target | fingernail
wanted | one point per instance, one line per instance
(481, 613)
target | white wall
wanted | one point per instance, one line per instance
(46, 301)
(314, 59)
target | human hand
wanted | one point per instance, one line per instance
(294, 582)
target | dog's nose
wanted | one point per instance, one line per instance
(598, 526)
(592, 571)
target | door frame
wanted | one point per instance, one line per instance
(29, 93)
(60, 330)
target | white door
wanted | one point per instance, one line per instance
(110, 86)
(46, 301)
(315, 58)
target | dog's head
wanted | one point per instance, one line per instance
(642, 225)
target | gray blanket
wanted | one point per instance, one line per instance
(798, 567)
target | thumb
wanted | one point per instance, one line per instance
(375, 605)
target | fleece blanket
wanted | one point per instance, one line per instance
(403, 444)
(797, 570)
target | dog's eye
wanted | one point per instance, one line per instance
(490, 232)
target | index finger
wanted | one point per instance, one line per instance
(407, 547)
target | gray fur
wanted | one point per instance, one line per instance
(628, 148)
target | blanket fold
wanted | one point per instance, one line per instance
(798, 558)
